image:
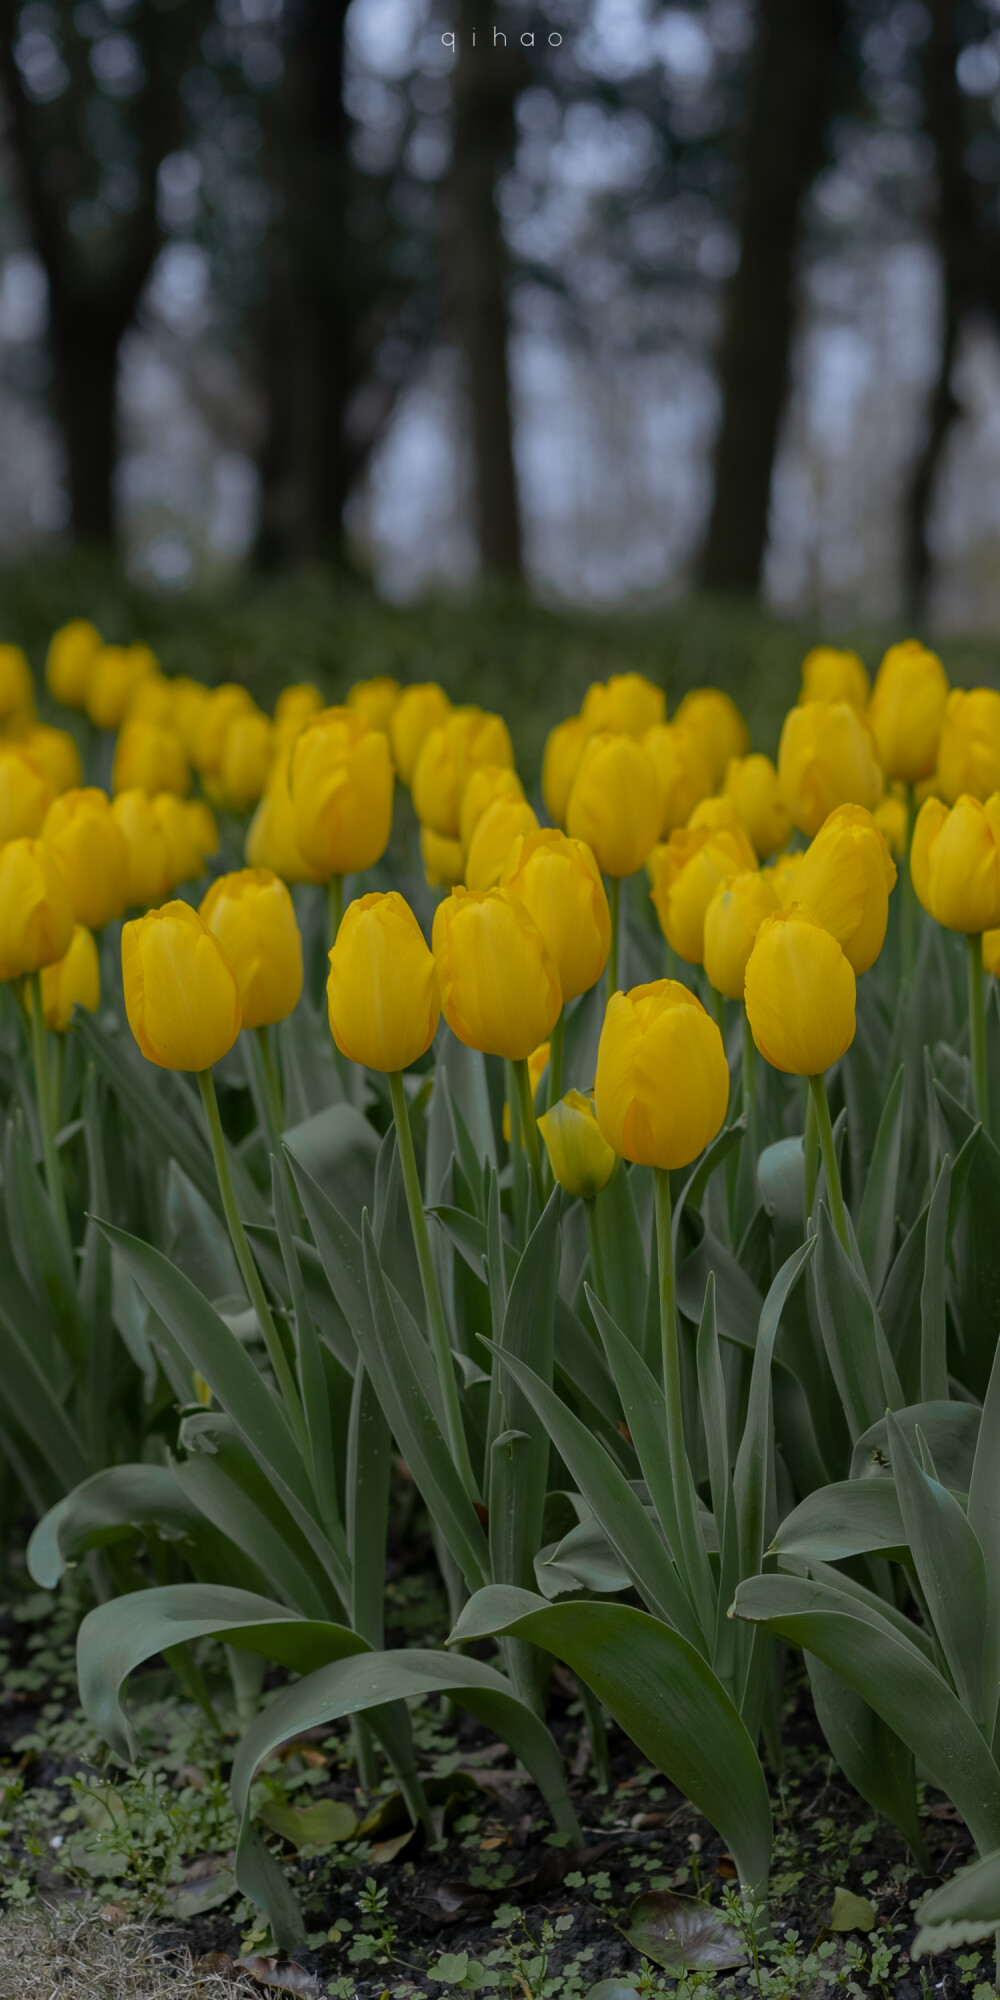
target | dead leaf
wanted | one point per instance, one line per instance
(683, 1934)
(726, 1867)
(279, 1974)
(387, 1850)
(115, 1913)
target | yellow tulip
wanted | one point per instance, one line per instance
(752, 784)
(89, 847)
(826, 758)
(717, 723)
(799, 993)
(538, 1063)
(149, 758)
(247, 754)
(375, 700)
(181, 994)
(25, 793)
(845, 879)
(991, 953)
(251, 914)
(443, 859)
(500, 825)
(625, 705)
(111, 677)
(682, 769)
(500, 988)
(420, 708)
(36, 915)
(893, 821)
(149, 870)
(559, 883)
(185, 852)
(662, 1084)
(733, 918)
(56, 754)
(17, 689)
(685, 872)
(829, 674)
(717, 811)
(906, 711)
(69, 661)
(969, 745)
(486, 783)
(201, 821)
(579, 1155)
(382, 992)
(295, 705)
(74, 981)
(448, 756)
(615, 804)
(955, 863)
(153, 699)
(560, 761)
(782, 876)
(270, 841)
(340, 784)
(212, 720)
(188, 711)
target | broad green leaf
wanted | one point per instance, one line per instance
(984, 1520)
(644, 1411)
(933, 1345)
(951, 1430)
(622, 1260)
(369, 1464)
(847, 1518)
(848, 1320)
(258, 1523)
(30, 1393)
(873, 1759)
(41, 1253)
(753, 1476)
(851, 1912)
(584, 1560)
(309, 1359)
(518, 1472)
(339, 1148)
(103, 1508)
(961, 1911)
(950, 1566)
(877, 1215)
(683, 1933)
(324, 1824)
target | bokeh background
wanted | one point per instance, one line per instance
(502, 340)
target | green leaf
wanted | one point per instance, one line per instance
(369, 1465)
(851, 1912)
(870, 1754)
(963, 1910)
(324, 1824)
(123, 1498)
(683, 1934)
(41, 1252)
(584, 1560)
(309, 1359)
(877, 1215)
(228, 1487)
(951, 1431)
(518, 1471)
(949, 1564)
(622, 1259)
(847, 1518)
(339, 1148)
(933, 1345)
(645, 1416)
(849, 1324)
(984, 1520)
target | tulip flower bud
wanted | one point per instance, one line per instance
(74, 981)
(247, 753)
(153, 699)
(188, 712)
(181, 994)
(969, 745)
(685, 872)
(375, 700)
(715, 720)
(955, 863)
(715, 812)
(579, 1155)
(626, 705)
(443, 859)
(495, 834)
(111, 678)
(56, 754)
(662, 1085)
(559, 883)
(893, 821)
(25, 793)
(500, 989)
(36, 915)
(420, 708)
(826, 758)
(340, 784)
(906, 712)
(828, 674)
(486, 783)
(295, 706)
(69, 661)
(783, 875)
(615, 804)
(17, 689)
(448, 756)
(251, 914)
(270, 841)
(185, 853)
(560, 762)
(733, 918)
(799, 992)
(224, 706)
(149, 869)
(752, 784)
(201, 822)
(149, 758)
(382, 991)
(845, 879)
(682, 769)
(89, 847)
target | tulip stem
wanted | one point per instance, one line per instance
(594, 1247)
(270, 1086)
(248, 1269)
(454, 1426)
(692, 1551)
(335, 905)
(908, 912)
(47, 1110)
(749, 1066)
(810, 1152)
(553, 1087)
(817, 1092)
(614, 906)
(977, 1026)
(529, 1127)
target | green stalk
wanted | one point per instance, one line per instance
(909, 907)
(335, 905)
(271, 1081)
(248, 1269)
(719, 1010)
(594, 1248)
(553, 1085)
(977, 1025)
(696, 1578)
(817, 1092)
(454, 1427)
(529, 1128)
(811, 1152)
(47, 1110)
(614, 905)
(749, 1066)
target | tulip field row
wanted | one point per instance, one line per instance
(611, 1161)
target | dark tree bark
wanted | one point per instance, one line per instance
(790, 99)
(485, 84)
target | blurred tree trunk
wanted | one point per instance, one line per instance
(485, 84)
(790, 98)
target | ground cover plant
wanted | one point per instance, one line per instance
(499, 1301)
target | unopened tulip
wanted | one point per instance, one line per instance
(846, 878)
(448, 756)
(830, 674)
(560, 761)
(826, 758)
(486, 783)
(153, 699)
(247, 754)
(25, 793)
(893, 822)
(74, 981)
(500, 989)
(181, 994)
(340, 783)
(295, 705)
(215, 717)
(662, 1084)
(270, 840)
(17, 689)
(752, 784)
(251, 914)
(625, 705)
(799, 992)
(150, 758)
(717, 811)
(581, 1160)
(615, 804)
(185, 853)
(682, 769)
(420, 708)
(201, 821)
(955, 863)
(36, 915)
(782, 876)
(69, 661)
(969, 745)
(89, 847)
(56, 754)
(111, 678)
(189, 708)
(443, 859)
(495, 834)
(716, 721)
(733, 918)
(685, 872)
(375, 700)
(559, 883)
(382, 992)
(906, 711)
(149, 869)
